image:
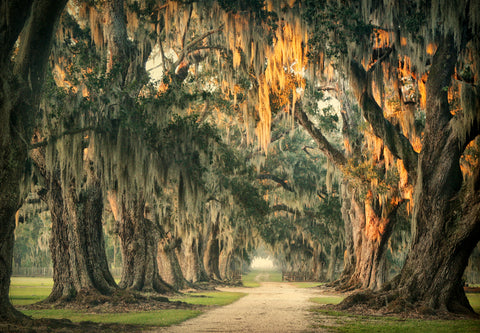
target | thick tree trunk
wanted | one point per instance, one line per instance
(190, 262)
(225, 264)
(446, 217)
(349, 260)
(211, 258)
(318, 264)
(11, 166)
(365, 267)
(86, 247)
(20, 86)
(63, 288)
(168, 263)
(139, 241)
(332, 263)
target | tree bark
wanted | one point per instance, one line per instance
(21, 84)
(225, 263)
(63, 288)
(168, 263)
(11, 166)
(446, 217)
(211, 257)
(190, 262)
(88, 261)
(139, 239)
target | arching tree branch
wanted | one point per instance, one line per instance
(334, 155)
(279, 180)
(396, 142)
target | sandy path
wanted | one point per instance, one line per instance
(273, 307)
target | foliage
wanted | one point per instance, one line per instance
(323, 17)
(32, 240)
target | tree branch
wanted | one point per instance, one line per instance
(279, 180)
(380, 60)
(334, 155)
(186, 50)
(54, 138)
(396, 142)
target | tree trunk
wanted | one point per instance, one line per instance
(190, 262)
(139, 240)
(365, 262)
(86, 247)
(225, 264)
(446, 217)
(211, 257)
(11, 166)
(20, 85)
(169, 266)
(332, 263)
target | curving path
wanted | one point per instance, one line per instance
(272, 307)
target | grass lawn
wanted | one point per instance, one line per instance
(29, 290)
(151, 318)
(336, 321)
(307, 284)
(24, 291)
(253, 278)
(215, 298)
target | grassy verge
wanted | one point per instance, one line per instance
(215, 298)
(29, 290)
(327, 299)
(307, 284)
(474, 300)
(342, 322)
(336, 321)
(24, 291)
(253, 278)
(151, 318)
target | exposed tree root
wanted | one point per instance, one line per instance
(65, 325)
(390, 302)
(120, 301)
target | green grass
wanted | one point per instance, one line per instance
(327, 299)
(474, 300)
(217, 298)
(250, 279)
(307, 284)
(151, 318)
(29, 290)
(336, 321)
(24, 291)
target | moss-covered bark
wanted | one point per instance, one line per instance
(21, 81)
(139, 238)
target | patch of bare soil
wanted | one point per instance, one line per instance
(272, 307)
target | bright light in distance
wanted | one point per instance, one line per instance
(262, 263)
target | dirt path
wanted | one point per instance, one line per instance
(272, 307)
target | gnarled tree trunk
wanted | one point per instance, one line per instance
(86, 246)
(365, 262)
(139, 239)
(446, 217)
(190, 262)
(63, 288)
(169, 266)
(11, 166)
(211, 256)
(20, 85)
